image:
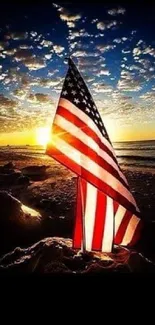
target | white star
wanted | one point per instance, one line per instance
(76, 100)
(65, 92)
(97, 114)
(70, 85)
(93, 113)
(87, 109)
(80, 83)
(84, 101)
(86, 97)
(81, 93)
(96, 121)
(68, 78)
(101, 123)
(89, 105)
(73, 92)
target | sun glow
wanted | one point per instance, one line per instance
(42, 135)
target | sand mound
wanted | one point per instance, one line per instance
(56, 256)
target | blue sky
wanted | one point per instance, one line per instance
(113, 47)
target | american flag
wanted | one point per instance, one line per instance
(80, 141)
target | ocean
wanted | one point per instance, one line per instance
(139, 154)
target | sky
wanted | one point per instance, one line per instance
(113, 46)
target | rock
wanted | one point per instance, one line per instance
(23, 180)
(34, 170)
(56, 256)
(13, 210)
(18, 223)
(9, 179)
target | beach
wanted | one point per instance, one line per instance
(40, 183)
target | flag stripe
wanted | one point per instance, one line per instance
(70, 162)
(77, 236)
(90, 212)
(84, 148)
(122, 228)
(108, 234)
(99, 221)
(130, 230)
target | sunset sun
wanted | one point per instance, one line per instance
(42, 135)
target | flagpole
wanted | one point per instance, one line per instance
(83, 248)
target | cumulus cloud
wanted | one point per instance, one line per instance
(46, 43)
(103, 72)
(101, 88)
(78, 33)
(17, 36)
(136, 51)
(58, 49)
(22, 55)
(129, 82)
(102, 25)
(70, 24)
(117, 11)
(10, 51)
(67, 15)
(38, 98)
(47, 83)
(34, 63)
(8, 106)
(84, 54)
(3, 45)
(20, 93)
(104, 48)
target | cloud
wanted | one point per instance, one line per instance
(67, 15)
(10, 51)
(3, 45)
(101, 88)
(47, 83)
(70, 24)
(78, 33)
(136, 51)
(104, 72)
(34, 63)
(117, 11)
(106, 24)
(129, 82)
(126, 51)
(84, 54)
(58, 49)
(7, 106)
(46, 43)
(20, 93)
(38, 98)
(22, 55)
(104, 48)
(17, 36)
(48, 56)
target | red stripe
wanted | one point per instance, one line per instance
(88, 176)
(85, 128)
(116, 205)
(80, 146)
(78, 233)
(122, 228)
(99, 221)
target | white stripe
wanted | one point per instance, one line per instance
(92, 167)
(119, 217)
(85, 118)
(130, 230)
(90, 212)
(78, 133)
(108, 227)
